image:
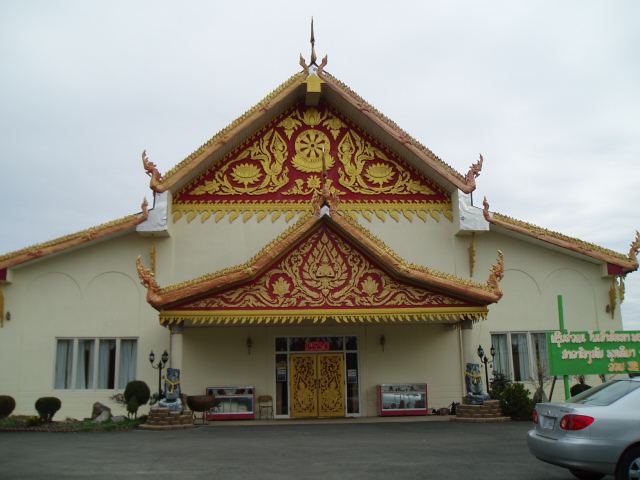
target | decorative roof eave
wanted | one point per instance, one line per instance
(183, 169)
(465, 183)
(160, 297)
(310, 317)
(63, 243)
(628, 263)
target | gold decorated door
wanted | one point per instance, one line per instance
(317, 385)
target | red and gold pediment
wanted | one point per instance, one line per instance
(278, 170)
(323, 269)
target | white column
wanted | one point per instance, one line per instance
(175, 355)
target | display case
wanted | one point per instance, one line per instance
(232, 403)
(402, 399)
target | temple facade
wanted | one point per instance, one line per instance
(313, 252)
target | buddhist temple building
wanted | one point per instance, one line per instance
(311, 251)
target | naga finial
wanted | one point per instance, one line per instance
(485, 210)
(497, 274)
(145, 208)
(635, 249)
(473, 173)
(151, 170)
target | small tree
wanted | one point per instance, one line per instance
(7, 405)
(540, 379)
(47, 407)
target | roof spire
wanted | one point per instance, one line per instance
(313, 46)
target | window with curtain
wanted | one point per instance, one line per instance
(520, 357)
(64, 363)
(540, 355)
(519, 354)
(107, 364)
(128, 362)
(501, 362)
(95, 363)
(84, 364)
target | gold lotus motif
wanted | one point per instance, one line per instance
(311, 146)
(379, 173)
(312, 117)
(246, 174)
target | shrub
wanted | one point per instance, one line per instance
(47, 407)
(138, 389)
(136, 393)
(7, 405)
(579, 388)
(516, 403)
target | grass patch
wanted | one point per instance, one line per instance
(27, 422)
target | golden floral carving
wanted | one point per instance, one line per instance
(379, 173)
(354, 153)
(246, 174)
(323, 272)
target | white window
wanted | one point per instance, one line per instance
(95, 363)
(521, 356)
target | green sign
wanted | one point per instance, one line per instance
(593, 353)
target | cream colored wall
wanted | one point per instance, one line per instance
(89, 292)
(218, 356)
(199, 248)
(95, 292)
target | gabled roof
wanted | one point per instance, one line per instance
(617, 263)
(324, 267)
(337, 94)
(57, 245)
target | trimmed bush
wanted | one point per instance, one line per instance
(7, 405)
(139, 390)
(136, 393)
(47, 407)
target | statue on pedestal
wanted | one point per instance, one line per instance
(473, 380)
(172, 398)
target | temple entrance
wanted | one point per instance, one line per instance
(317, 385)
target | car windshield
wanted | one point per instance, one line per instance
(606, 393)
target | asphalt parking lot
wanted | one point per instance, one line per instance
(351, 450)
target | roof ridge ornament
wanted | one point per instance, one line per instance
(309, 69)
(151, 170)
(473, 173)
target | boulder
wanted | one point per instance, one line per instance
(117, 419)
(98, 409)
(103, 417)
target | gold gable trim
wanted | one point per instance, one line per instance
(262, 210)
(312, 317)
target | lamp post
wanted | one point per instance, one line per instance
(485, 360)
(161, 364)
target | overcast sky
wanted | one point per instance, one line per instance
(547, 91)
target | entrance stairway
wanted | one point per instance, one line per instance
(163, 419)
(489, 412)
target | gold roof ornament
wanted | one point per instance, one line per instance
(307, 68)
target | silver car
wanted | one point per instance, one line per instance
(593, 434)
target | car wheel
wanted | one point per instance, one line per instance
(629, 465)
(584, 475)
